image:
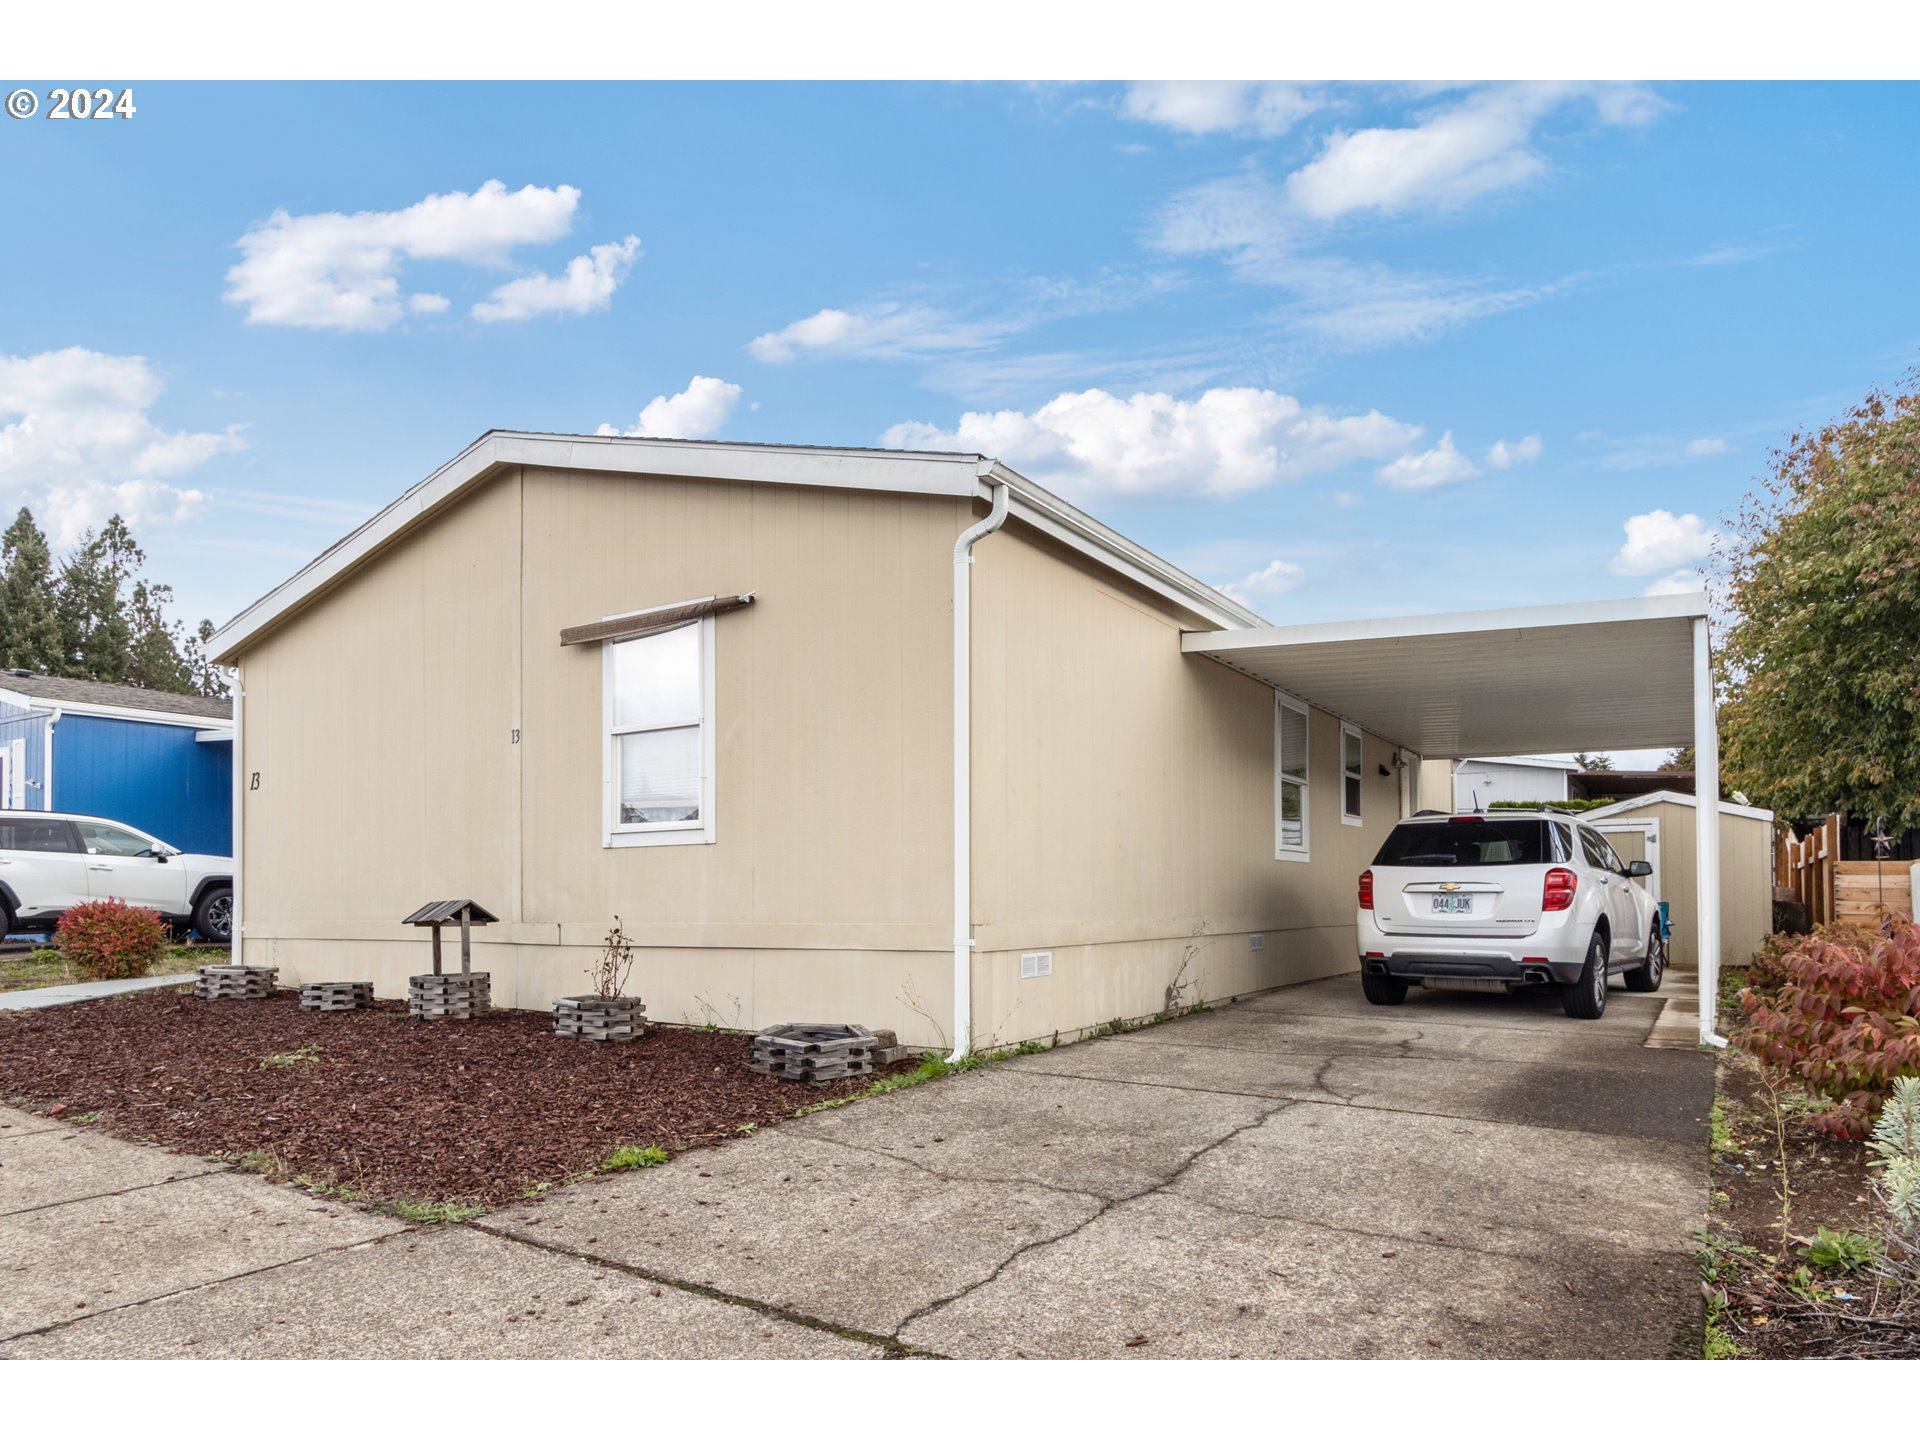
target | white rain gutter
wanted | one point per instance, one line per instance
(239, 810)
(963, 770)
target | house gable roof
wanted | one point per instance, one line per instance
(42, 692)
(902, 471)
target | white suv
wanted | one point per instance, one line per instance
(50, 862)
(1500, 901)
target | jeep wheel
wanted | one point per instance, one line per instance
(1647, 978)
(1586, 998)
(213, 915)
(1383, 989)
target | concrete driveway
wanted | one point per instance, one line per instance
(1297, 1175)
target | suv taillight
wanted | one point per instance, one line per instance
(1366, 889)
(1558, 894)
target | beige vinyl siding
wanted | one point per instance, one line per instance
(382, 719)
(1124, 807)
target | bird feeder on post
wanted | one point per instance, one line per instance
(440, 996)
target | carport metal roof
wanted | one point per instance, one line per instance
(1613, 674)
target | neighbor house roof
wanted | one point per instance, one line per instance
(1533, 761)
(920, 472)
(41, 692)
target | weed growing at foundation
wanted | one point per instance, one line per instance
(632, 1157)
(436, 1212)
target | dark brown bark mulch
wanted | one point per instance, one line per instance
(477, 1110)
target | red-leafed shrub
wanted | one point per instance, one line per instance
(1843, 1020)
(111, 940)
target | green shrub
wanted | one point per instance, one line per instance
(1574, 806)
(111, 940)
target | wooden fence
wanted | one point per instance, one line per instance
(1857, 892)
(1807, 867)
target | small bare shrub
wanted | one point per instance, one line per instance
(609, 973)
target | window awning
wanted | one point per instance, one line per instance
(1608, 674)
(646, 622)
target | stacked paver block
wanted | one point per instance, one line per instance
(465, 996)
(813, 1051)
(235, 982)
(336, 995)
(591, 1017)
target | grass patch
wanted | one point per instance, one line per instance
(44, 965)
(1721, 1128)
(436, 1212)
(632, 1157)
(287, 1060)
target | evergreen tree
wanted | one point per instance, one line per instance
(29, 629)
(96, 632)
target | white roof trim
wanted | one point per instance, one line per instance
(900, 471)
(1464, 622)
(47, 704)
(1565, 765)
(1670, 797)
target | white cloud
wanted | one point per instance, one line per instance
(586, 284)
(695, 413)
(1349, 499)
(1680, 582)
(332, 271)
(1504, 456)
(1473, 147)
(1202, 107)
(1697, 448)
(1660, 540)
(1275, 578)
(1227, 442)
(80, 445)
(1426, 469)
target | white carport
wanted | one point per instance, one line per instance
(1626, 674)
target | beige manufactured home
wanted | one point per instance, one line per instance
(888, 737)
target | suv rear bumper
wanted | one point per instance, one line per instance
(1537, 967)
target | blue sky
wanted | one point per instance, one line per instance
(1353, 350)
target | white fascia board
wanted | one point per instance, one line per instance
(899, 471)
(47, 704)
(1566, 766)
(1072, 526)
(1464, 622)
(1672, 797)
(214, 737)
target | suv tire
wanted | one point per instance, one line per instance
(1383, 989)
(6, 919)
(1586, 998)
(213, 914)
(1646, 979)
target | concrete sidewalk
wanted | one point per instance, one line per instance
(47, 995)
(1298, 1175)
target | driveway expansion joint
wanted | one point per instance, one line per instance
(891, 1347)
(949, 1176)
(110, 1194)
(1107, 1206)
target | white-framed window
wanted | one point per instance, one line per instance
(1353, 754)
(657, 723)
(1290, 832)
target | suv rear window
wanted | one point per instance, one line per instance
(1467, 842)
(48, 835)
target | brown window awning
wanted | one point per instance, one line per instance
(647, 622)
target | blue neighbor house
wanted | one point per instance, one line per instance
(158, 762)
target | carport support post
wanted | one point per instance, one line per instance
(1706, 792)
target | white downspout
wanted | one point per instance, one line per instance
(239, 810)
(963, 770)
(46, 761)
(1706, 831)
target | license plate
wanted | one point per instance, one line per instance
(1453, 904)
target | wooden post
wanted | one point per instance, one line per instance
(466, 941)
(436, 949)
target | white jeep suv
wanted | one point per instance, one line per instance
(1505, 900)
(50, 862)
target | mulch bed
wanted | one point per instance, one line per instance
(1830, 1185)
(473, 1111)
